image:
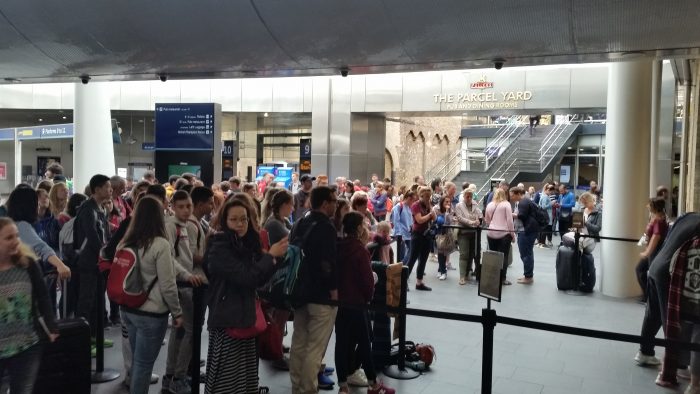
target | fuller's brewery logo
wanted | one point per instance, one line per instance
(481, 84)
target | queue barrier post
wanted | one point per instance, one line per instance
(100, 374)
(399, 370)
(488, 322)
(197, 323)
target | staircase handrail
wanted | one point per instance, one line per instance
(547, 154)
(548, 138)
(442, 162)
(503, 134)
(440, 171)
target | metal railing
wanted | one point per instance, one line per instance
(504, 137)
(552, 142)
(445, 166)
(510, 165)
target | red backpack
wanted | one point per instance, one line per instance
(124, 283)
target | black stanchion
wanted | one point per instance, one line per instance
(100, 374)
(399, 370)
(488, 322)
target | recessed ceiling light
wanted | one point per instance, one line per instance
(41, 120)
(265, 114)
(64, 117)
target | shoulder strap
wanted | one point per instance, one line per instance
(178, 232)
(199, 232)
(138, 264)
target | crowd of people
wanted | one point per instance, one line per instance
(232, 236)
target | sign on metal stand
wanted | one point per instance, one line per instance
(490, 287)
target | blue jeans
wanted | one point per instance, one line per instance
(22, 369)
(526, 244)
(406, 251)
(146, 335)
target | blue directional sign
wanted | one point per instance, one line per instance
(65, 130)
(185, 126)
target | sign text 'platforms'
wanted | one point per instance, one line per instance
(185, 126)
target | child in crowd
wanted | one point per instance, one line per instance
(383, 239)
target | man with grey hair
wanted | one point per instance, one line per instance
(340, 182)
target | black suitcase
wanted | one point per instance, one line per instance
(587, 273)
(66, 365)
(566, 268)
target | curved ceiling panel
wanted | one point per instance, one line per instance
(129, 39)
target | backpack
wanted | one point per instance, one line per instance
(540, 214)
(284, 283)
(65, 244)
(124, 283)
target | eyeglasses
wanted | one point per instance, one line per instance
(242, 220)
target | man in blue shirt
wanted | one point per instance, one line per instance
(565, 205)
(402, 220)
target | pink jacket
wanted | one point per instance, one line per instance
(499, 217)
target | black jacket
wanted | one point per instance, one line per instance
(234, 275)
(526, 214)
(90, 233)
(318, 271)
(594, 223)
(41, 305)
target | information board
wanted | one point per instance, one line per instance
(305, 156)
(185, 126)
(490, 283)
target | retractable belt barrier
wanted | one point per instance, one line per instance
(488, 319)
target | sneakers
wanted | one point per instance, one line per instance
(442, 276)
(525, 281)
(381, 389)
(179, 386)
(423, 287)
(462, 281)
(282, 364)
(358, 379)
(506, 282)
(324, 382)
(107, 342)
(644, 360)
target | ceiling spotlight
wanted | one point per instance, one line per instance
(41, 120)
(266, 114)
(64, 117)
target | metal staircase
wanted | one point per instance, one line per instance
(533, 154)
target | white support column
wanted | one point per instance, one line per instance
(18, 160)
(627, 138)
(93, 149)
(655, 126)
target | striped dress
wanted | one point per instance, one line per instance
(232, 364)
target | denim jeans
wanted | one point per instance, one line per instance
(407, 251)
(22, 369)
(526, 243)
(146, 335)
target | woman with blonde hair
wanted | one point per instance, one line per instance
(58, 200)
(26, 316)
(501, 232)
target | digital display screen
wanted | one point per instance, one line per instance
(185, 126)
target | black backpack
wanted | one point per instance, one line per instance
(540, 214)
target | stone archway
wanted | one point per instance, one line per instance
(388, 165)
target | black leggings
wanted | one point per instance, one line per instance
(501, 245)
(420, 248)
(545, 235)
(642, 272)
(352, 332)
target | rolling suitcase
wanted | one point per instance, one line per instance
(587, 273)
(66, 363)
(566, 268)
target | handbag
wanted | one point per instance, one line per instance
(270, 341)
(253, 331)
(445, 242)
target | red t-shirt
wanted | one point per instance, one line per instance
(418, 207)
(657, 227)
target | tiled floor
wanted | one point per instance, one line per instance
(525, 361)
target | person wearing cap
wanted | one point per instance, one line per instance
(302, 196)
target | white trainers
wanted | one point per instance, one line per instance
(358, 379)
(442, 277)
(644, 360)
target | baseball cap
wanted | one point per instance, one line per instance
(307, 177)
